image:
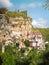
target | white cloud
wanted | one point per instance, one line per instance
(23, 6)
(5, 3)
(40, 23)
(34, 5)
(31, 5)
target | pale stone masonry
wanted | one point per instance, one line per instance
(37, 40)
(20, 28)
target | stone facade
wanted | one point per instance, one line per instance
(37, 40)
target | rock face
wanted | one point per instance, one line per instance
(4, 34)
(20, 27)
(3, 23)
(3, 26)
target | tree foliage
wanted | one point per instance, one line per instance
(14, 56)
(3, 10)
(27, 43)
(47, 4)
(44, 32)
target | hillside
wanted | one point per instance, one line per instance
(44, 31)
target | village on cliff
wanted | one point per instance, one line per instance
(19, 29)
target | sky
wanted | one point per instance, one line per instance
(35, 8)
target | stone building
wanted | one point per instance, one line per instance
(37, 40)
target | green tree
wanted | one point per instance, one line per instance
(8, 59)
(17, 44)
(0, 46)
(22, 50)
(47, 4)
(35, 56)
(45, 56)
(47, 47)
(27, 43)
(3, 10)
